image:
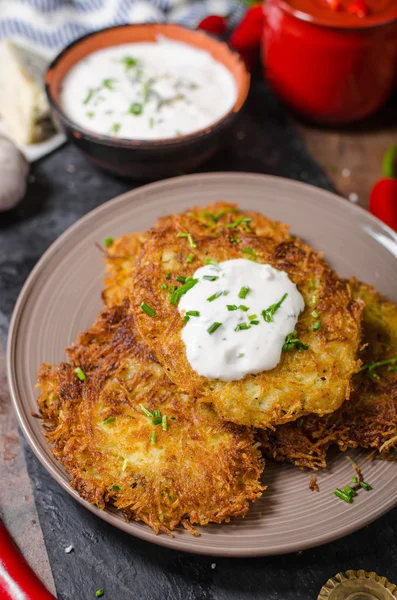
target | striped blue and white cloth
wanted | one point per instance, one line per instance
(49, 25)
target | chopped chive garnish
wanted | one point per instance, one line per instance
(252, 317)
(153, 438)
(249, 251)
(343, 495)
(238, 222)
(314, 299)
(108, 83)
(214, 327)
(268, 313)
(370, 367)
(129, 62)
(108, 241)
(209, 261)
(210, 277)
(157, 419)
(115, 128)
(145, 91)
(243, 292)
(193, 313)
(392, 369)
(355, 479)
(234, 240)
(311, 283)
(99, 593)
(291, 341)
(210, 216)
(151, 122)
(116, 488)
(190, 257)
(148, 310)
(215, 216)
(164, 286)
(179, 292)
(299, 423)
(164, 424)
(254, 322)
(136, 108)
(168, 275)
(349, 491)
(316, 326)
(146, 411)
(181, 279)
(186, 318)
(80, 374)
(240, 355)
(366, 486)
(231, 307)
(214, 296)
(243, 307)
(189, 237)
(90, 94)
(242, 326)
(109, 420)
(90, 114)
(314, 314)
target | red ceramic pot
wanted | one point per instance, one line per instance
(331, 66)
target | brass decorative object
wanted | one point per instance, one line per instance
(358, 585)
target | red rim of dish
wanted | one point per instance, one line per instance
(367, 23)
(142, 143)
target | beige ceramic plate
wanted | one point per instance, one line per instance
(62, 298)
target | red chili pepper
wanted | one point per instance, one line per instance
(247, 36)
(383, 197)
(358, 8)
(214, 24)
(17, 579)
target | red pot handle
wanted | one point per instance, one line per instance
(17, 580)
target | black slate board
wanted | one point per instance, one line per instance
(103, 557)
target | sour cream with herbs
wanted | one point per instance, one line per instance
(147, 90)
(238, 315)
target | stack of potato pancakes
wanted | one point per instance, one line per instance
(135, 426)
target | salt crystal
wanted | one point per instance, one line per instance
(346, 172)
(69, 549)
(353, 197)
(213, 565)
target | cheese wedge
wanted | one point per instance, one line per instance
(23, 102)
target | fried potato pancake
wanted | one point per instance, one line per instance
(189, 468)
(120, 260)
(369, 418)
(221, 215)
(313, 381)
(121, 255)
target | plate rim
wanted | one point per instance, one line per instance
(24, 421)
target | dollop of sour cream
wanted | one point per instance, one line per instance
(239, 313)
(147, 90)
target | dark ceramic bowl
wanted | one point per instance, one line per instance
(146, 159)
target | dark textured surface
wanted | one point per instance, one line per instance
(103, 557)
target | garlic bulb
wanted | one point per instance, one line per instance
(13, 171)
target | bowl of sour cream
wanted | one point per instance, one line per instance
(147, 101)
